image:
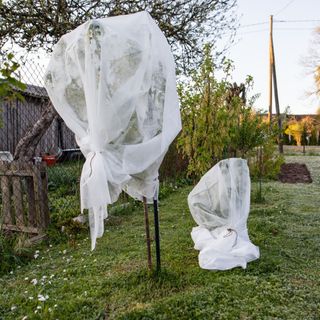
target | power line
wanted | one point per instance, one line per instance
(285, 7)
(247, 32)
(295, 21)
(297, 29)
(277, 21)
(253, 31)
(253, 24)
(276, 29)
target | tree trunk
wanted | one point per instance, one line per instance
(26, 147)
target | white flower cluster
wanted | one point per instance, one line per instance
(43, 298)
(36, 254)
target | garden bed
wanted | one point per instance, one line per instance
(294, 173)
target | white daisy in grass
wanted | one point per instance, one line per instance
(36, 254)
(43, 298)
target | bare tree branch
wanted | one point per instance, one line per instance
(187, 24)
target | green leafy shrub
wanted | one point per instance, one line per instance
(9, 85)
(265, 162)
(219, 120)
(65, 177)
(64, 208)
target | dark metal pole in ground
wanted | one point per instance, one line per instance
(146, 224)
(156, 232)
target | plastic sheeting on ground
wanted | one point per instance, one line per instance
(112, 81)
(220, 205)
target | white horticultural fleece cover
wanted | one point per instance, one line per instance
(220, 205)
(112, 81)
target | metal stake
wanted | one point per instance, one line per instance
(146, 224)
(156, 232)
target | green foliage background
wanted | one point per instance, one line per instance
(218, 120)
(8, 82)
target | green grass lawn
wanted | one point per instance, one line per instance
(112, 282)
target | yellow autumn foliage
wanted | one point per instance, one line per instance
(295, 129)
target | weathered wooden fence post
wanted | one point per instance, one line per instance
(24, 197)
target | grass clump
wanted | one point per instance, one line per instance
(14, 252)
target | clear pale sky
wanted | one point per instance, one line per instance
(292, 41)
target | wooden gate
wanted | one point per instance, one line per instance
(24, 197)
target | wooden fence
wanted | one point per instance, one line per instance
(24, 197)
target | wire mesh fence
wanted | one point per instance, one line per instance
(54, 165)
(45, 186)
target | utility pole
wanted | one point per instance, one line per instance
(270, 69)
(273, 77)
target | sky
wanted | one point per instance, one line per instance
(292, 41)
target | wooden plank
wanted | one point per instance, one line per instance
(147, 229)
(21, 173)
(38, 197)
(38, 238)
(45, 200)
(17, 197)
(6, 198)
(31, 202)
(24, 184)
(20, 228)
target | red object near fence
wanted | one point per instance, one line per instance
(50, 160)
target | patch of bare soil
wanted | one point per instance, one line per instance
(294, 173)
